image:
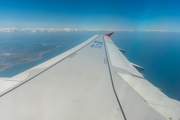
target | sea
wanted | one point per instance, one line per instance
(157, 52)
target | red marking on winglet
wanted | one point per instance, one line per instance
(109, 34)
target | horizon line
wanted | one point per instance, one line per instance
(33, 30)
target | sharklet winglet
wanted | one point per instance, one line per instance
(109, 34)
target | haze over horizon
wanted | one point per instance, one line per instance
(139, 15)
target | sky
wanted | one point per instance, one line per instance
(137, 15)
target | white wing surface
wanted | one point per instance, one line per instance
(93, 81)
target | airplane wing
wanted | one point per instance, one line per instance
(93, 81)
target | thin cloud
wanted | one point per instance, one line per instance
(30, 30)
(8, 29)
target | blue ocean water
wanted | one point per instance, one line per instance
(157, 52)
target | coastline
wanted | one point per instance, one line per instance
(30, 60)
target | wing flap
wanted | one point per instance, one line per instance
(117, 58)
(136, 94)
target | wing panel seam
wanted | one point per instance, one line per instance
(112, 82)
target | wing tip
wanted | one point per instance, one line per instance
(109, 34)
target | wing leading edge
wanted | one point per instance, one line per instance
(91, 81)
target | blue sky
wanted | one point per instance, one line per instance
(92, 14)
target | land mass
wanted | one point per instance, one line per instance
(24, 53)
